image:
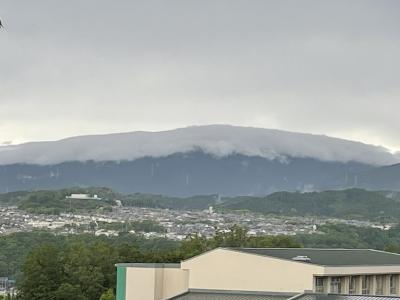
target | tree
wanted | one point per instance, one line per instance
(236, 236)
(83, 267)
(108, 295)
(66, 291)
(42, 274)
(78, 271)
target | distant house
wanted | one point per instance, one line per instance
(6, 285)
(266, 274)
(83, 197)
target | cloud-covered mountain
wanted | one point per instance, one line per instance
(383, 178)
(195, 160)
(216, 140)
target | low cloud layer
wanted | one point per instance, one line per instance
(97, 66)
(218, 140)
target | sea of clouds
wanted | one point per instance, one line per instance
(217, 140)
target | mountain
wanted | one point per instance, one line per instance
(216, 140)
(195, 160)
(383, 178)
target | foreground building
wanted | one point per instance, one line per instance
(265, 273)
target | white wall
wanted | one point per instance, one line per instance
(145, 283)
(140, 283)
(224, 269)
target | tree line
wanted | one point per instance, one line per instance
(85, 269)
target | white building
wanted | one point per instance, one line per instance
(265, 273)
(83, 197)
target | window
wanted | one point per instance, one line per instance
(393, 284)
(366, 285)
(336, 285)
(379, 285)
(352, 285)
(319, 284)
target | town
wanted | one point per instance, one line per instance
(174, 224)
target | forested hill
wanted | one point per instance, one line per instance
(350, 203)
(55, 202)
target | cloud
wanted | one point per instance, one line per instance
(217, 140)
(84, 67)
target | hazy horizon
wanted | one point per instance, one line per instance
(93, 67)
(16, 143)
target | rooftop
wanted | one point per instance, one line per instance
(148, 265)
(228, 295)
(342, 297)
(232, 295)
(329, 257)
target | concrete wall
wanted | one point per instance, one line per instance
(155, 283)
(176, 281)
(224, 269)
(140, 283)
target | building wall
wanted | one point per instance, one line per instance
(140, 284)
(224, 269)
(176, 281)
(154, 283)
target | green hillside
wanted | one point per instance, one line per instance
(54, 202)
(351, 203)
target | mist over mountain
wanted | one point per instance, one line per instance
(196, 160)
(216, 140)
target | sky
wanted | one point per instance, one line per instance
(77, 67)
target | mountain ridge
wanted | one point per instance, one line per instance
(213, 159)
(216, 140)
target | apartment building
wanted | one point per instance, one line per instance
(265, 273)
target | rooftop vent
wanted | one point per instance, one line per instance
(304, 258)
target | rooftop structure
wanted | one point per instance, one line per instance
(266, 273)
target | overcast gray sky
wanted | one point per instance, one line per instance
(98, 66)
